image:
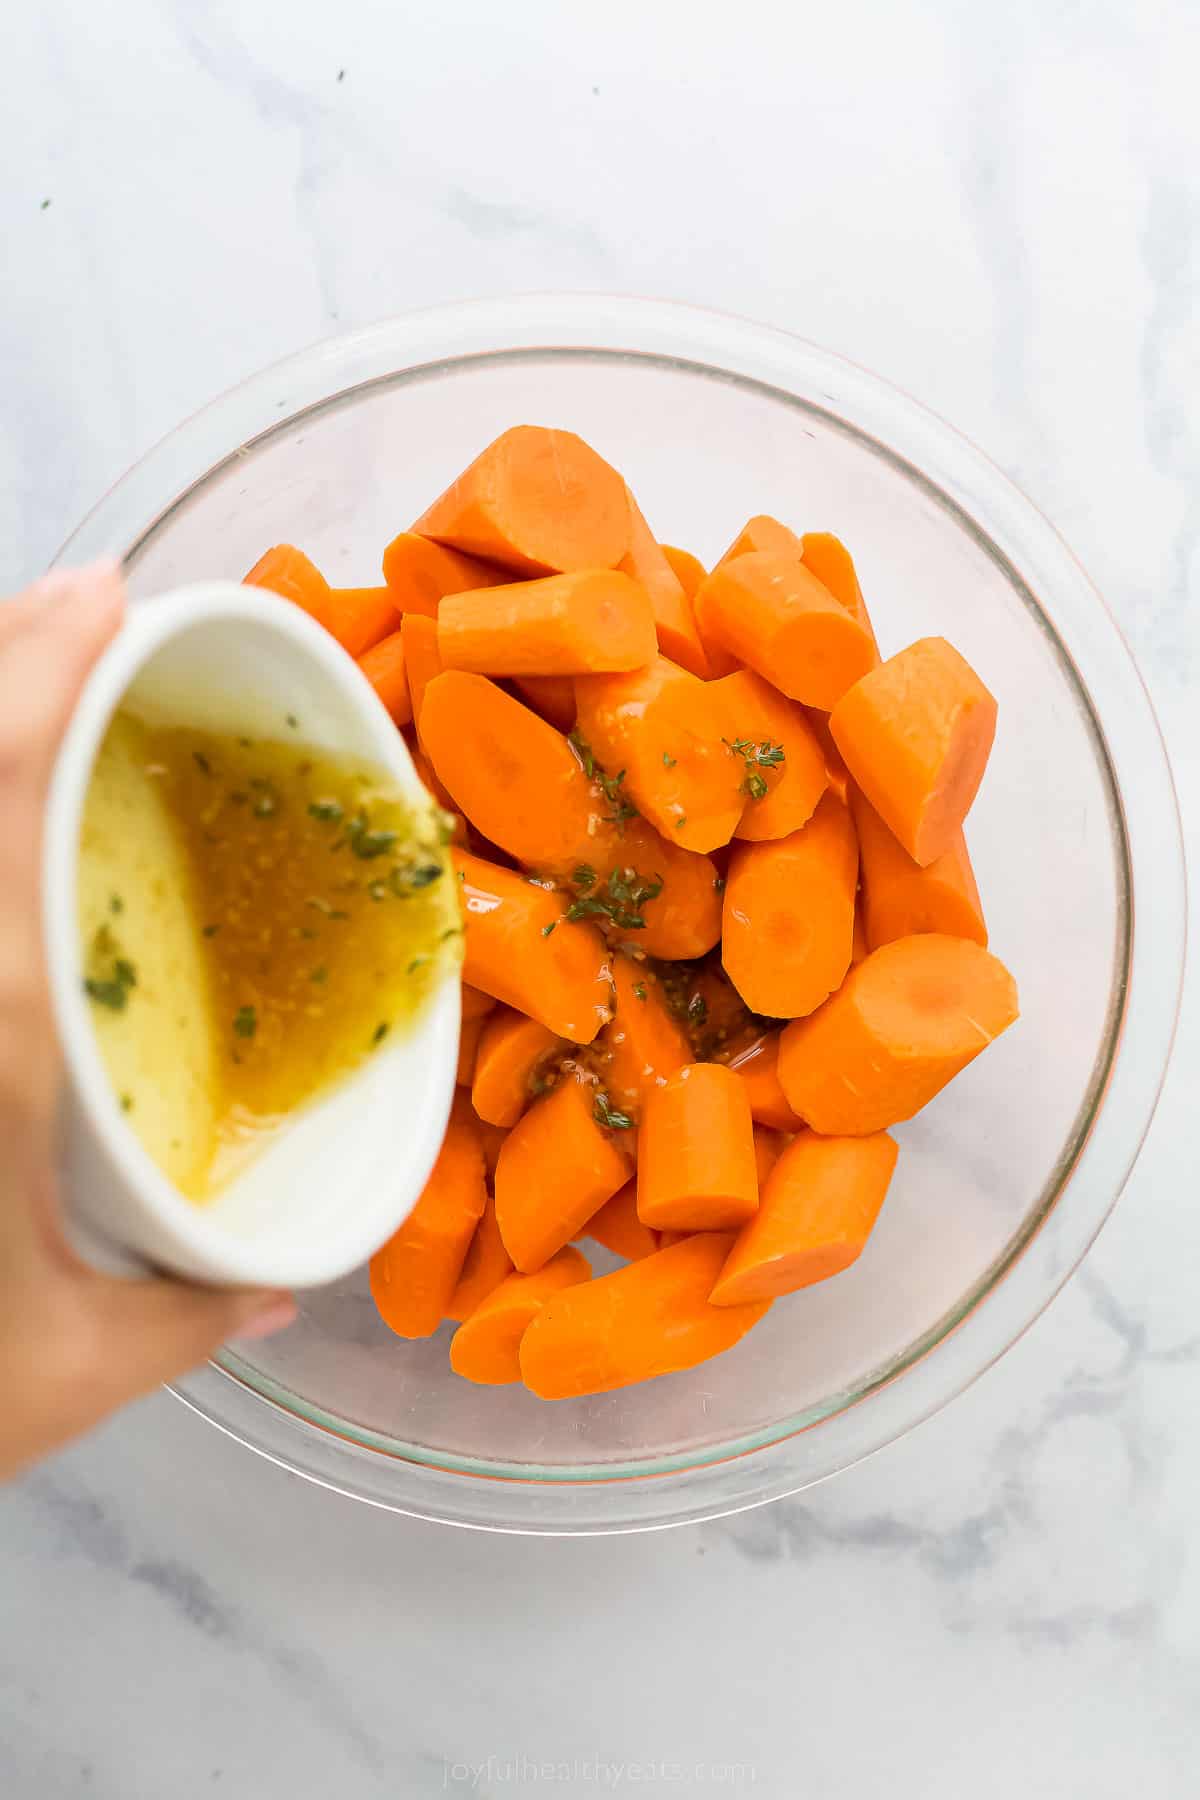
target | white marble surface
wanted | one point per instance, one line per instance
(997, 208)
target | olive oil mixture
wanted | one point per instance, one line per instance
(256, 918)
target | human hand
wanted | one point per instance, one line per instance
(74, 1344)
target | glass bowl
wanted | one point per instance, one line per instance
(1004, 1181)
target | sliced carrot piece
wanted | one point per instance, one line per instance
(286, 571)
(779, 796)
(647, 562)
(669, 732)
(696, 1162)
(689, 570)
(838, 773)
(650, 1318)
(486, 1346)
(788, 921)
(485, 1266)
(552, 697)
(419, 573)
(492, 1138)
(511, 1050)
(667, 1238)
(833, 566)
(763, 533)
(644, 1041)
(574, 624)
(536, 501)
(900, 898)
(901, 1026)
(768, 1147)
(556, 1169)
(757, 1063)
(475, 1003)
(772, 613)
(916, 733)
(360, 618)
(383, 666)
(422, 659)
(437, 790)
(818, 1208)
(468, 1045)
(520, 950)
(619, 1229)
(414, 1274)
(860, 949)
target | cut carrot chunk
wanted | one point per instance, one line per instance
(757, 1064)
(520, 950)
(644, 1041)
(511, 1050)
(784, 769)
(772, 613)
(901, 899)
(556, 1169)
(383, 666)
(818, 1208)
(646, 561)
(492, 1138)
(860, 949)
(419, 573)
(486, 1346)
(689, 570)
(833, 566)
(485, 1266)
(650, 1318)
(574, 624)
(902, 1025)
(763, 533)
(475, 1003)
(788, 921)
(286, 571)
(838, 773)
(696, 1161)
(360, 618)
(414, 1274)
(437, 790)
(916, 733)
(668, 731)
(768, 1146)
(469, 1033)
(552, 697)
(619, 1229)
(422, 659)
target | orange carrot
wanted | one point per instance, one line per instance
(779, 796)
(535, 501)
(556, 1169)
(485, 1266)
(916, 733)
(475, 1003)
(788, 920)
(763, 533)
(833, 566)
(772, 613)
(552, 697)
(684, 919)
(429, 780)
(644, 1042)
(819, 1205)
(419, 573)
(646, 561)
(469, 1033)
(860, 949)
(901, 1026)
(492, 1138)
(422, 659)
(520, 950)
(836, 768)
(510, 1052)
(619, 1229)
(383, 666)
(414, 1274)
(757, 1064)
(574, 624)
(696, 1162)
(486, 1347)
(649, 1318)
(689, 570)
(768, 1147)
(287, 571)
(669, 732)
(900, 898)
(360, 618)
(667, 1238)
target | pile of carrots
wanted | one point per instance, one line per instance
(721, 927)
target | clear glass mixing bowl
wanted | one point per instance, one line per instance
(1005, 1180)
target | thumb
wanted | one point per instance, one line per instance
(157, 1329)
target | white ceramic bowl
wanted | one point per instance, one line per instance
(335, 1182)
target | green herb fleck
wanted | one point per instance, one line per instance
(364, 842)
(681, 821)
(584, 878)
(115, 904)
(547, 929)
(379, 1033)
(452, 931)
(245, 1022)
(620, 901)
(328, 811)
(755, 756)
(319, 974)
(668, 761)
(604, 1114)
(246, 743)
(293, 721)
(610, 785)
(111, 991)
(697, 1011)
(126, 1102)
(719, 883)
(201, 761)
(266, 800)
(418, 962)
(639, 989)
(125, 972)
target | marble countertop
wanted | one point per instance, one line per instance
(994, 207)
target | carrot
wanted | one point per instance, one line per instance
(552, 697)
(916, 733)
(650, 1318)
(900, 898)
(510, 1051)
(757, 1064)
(835, 767)
(486, 1347)
(556, 1169)
(414, 1274)
(901, 1026)
(485, 1266)
(772, 613)
(819, 1205)
(696, 1162)
(383, 666)
(574, 624)
(668, 731)
(667, 1238)
(475, 1003)
(788, 919)
(689, 570)
(419, 573)
(535, 501)
(783, 769)
(492, 1138)
(833, 566)
(422, 659)
(768, 1147)
(287, 571)
(860, 949)
(619, 1229)
(646, 561)
(644, 1042)
(360, 618)
(763, 533)
(437, 789)
(520, 950)
(469, 1033)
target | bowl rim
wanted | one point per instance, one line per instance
(1018, 1287)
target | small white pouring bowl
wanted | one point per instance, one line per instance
(324, 1193)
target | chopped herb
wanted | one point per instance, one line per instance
(755, 756)
(245, 1022)
(755, 786)
(639, 989)
(681, 821)
(115, 904)
(620, 901)
(266, 799)
(697, 1011)
(335, 912)
(201, 761)
(306, 931)
(462, 876)
(609, 785)
(451, 931)
(126, 1102)
(45, 207)
(604, 1114)
(293, 721)
(578, 744)
(210, 931)
(125, 972)
(104, 943)
(547, 929)
(407, 880)
(319, 974)
(668, 761)
(719, 883)
(418, 962)
(328, 811)
(112, 994)
(379, 1033)
(366, 843)
(584, 877)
